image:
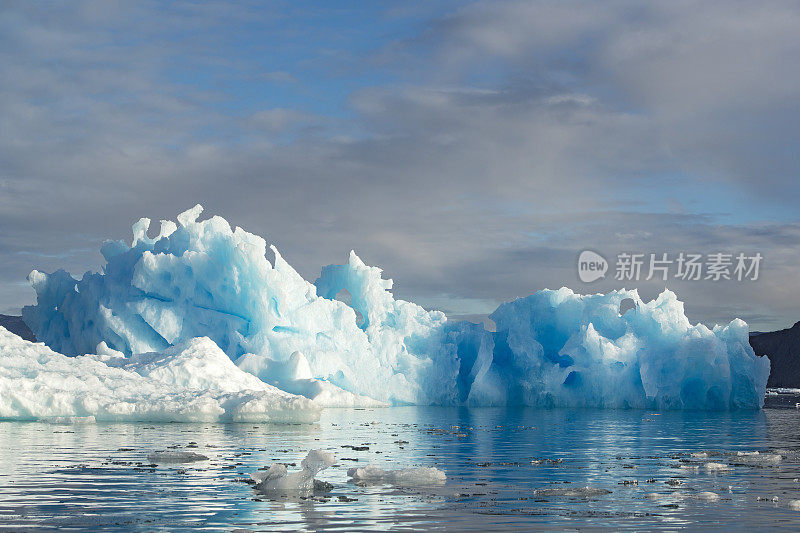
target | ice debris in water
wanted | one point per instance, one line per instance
(756, 459)
(194, 381)
(707, 496)
(555, 348)
(794, 505)
(170, 456)
(406, 477)
(277, 478)
(572, 492)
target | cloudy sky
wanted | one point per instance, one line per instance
(471, 149)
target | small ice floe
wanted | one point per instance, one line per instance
(277, 478)
(407, 477)
(716, 467)
(175, 457)
(572, 492)
(707, 496)
(699, 455)
(794, 505)
(669, 498)
(756, 459)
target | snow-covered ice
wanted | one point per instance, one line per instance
(195, 381)
(406, 477)
(294, 375)
(201, 278)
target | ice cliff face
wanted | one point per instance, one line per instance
(555, 348)
(560, 348)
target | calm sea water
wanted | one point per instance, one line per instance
(506, 469)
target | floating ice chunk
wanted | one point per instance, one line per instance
(794, 505)
(175, 457)
(277, 478)
(407, 477)
(756, 459)
(716, 467)
(707, 496)
(665, 497)
(699, 455)
(193, 382)
(572, 492)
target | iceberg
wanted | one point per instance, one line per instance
(202, 278)
(193, 382)
(344, 340)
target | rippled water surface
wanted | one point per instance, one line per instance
(506, 469)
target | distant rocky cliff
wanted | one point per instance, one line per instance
(14, 324)
(783, 349)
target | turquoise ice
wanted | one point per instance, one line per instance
(202, 278)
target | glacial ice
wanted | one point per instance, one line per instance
(294, 376)
(277, 477)
(200, 278)
(406, 477)
(189, 382)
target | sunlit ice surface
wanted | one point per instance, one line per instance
(506, 469)
(203, 278)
